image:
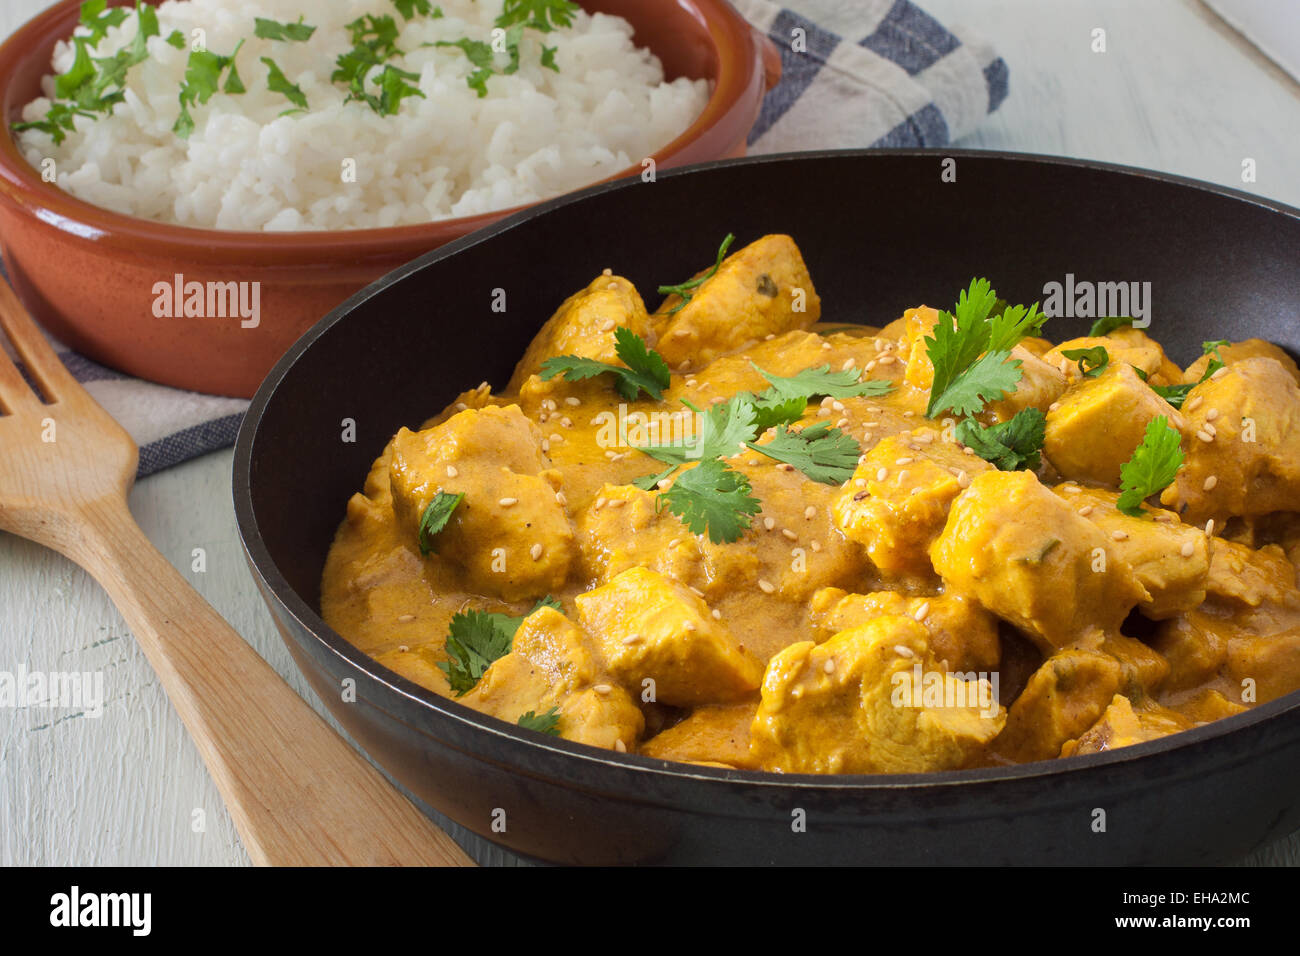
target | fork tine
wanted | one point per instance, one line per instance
(42, 364)
(14, 392)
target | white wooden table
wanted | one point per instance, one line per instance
(1176, 91)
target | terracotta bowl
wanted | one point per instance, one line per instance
(89, 274)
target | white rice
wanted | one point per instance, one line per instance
(537, 134)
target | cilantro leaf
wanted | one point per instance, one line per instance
(477, 638)
(989, 378)
(770, 409)
(650, 482)
(474, 640)
(409, 8)
(97, 19)
(277, 82)
(1092, 361)
(202, 79)
(176, 39)
(1175, 395)
(1010, 445)
(711, 497)
(822, 381)
(548, 57)
(821, 452)
(1012, 325)
(685, 289)
(646, 369)
(480, 55)
(436, 515)
(286, 32)
(541, 15)
(1152, 467)
(1108, 324)
(723, 429)
(547, 722)
(969, 348)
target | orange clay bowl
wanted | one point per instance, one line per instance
(88, 274)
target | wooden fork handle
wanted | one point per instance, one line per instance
(298, 793)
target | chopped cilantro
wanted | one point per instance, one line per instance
(1152, 467)
(711, 497)
(1108, 324)
(1092, 361)
(436, 515)
(646, 371)
(686, 289)
(821, 452)
(1010, 445)
(477, 638)
(541, 15)
(547, 722)
(286, 32)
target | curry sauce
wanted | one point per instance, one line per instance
(924, 610)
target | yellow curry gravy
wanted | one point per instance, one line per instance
(933, 612)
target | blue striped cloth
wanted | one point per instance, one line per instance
(909, 81)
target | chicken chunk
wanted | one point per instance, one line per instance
(510, 535)
(553, 664)
(584, 325)
(898, 500)
(718, 733)
(1040, 385)
(649, 627)
(1122, 725)
(1240, 351)
(1033, 560)
(963, 635)
(1242, 439)
(871, 699)
(1270, 663)
(764, 289)
(1171, 559)
(1142, 353)
(1065, 697)
(1100, 421)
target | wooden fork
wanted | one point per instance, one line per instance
(298, 793)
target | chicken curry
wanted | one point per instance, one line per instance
(728, 533)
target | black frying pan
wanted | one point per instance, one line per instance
(881, 230)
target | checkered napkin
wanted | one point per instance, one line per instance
(908, 82)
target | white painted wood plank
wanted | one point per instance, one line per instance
(1176, 91)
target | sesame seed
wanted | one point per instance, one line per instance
(461, 406)
(925, 437)
(1194, 404)
(620, 746)
(717, 615)
(555, 437)
(1211, 414)
(549, 404)
(617, 502)
(858, 496)
(909, 414)
(823, 412)
(1054, 406)
(886, 360)
(829, 666)
(826, 345)
(696, 591)
(1118, 535)
(1219, 374)
(566, 422)
(1070, 489)
(869, 366)
(789, 534)
(848, 364)
(560, 499)
(690, 626)
(1210, 482)
(535, 552)
(841, 423)
(484, 385)
(963, 480)
(611, 455)
(405, 618)
(451, 471)
(811, 512)
(902, 476)
(769, 337)
(663, 484)
(1209, 528)
(967, 450)
(681, 333)
(602, 689)
(753, 461)
(546, 445)
(600, 503)
(922, 611)
(785, 466)
(607, 271)
(1085, 510)
(507, 502)
(816, 546)
(838, 406)
(766, 586)
(902, 650)
(1188, 549)
(1204, 436)
(543, 418)
(404, 648)
(903, 461)
(572, 401)
(607, 325)
(1209, 430)
(769, 523)
(691, 383)
(631, 639)
(882, 474)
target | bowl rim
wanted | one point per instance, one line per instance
(740, 68)
(274, 586)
